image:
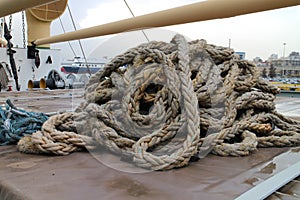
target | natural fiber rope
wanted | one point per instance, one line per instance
(163, 103)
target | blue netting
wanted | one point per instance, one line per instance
(16, 123)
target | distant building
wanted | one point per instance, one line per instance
(241, 54)
(273, 57)
(294, 56)
(288, 66)
(293, 60)
(257, 60)
(285, 67)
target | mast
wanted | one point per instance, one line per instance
(8, 7)
(39, 19)
(205, 10)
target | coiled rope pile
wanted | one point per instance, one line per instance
(161, 104)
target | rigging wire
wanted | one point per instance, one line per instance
(88, 68)
(64, 30)
(134, 16)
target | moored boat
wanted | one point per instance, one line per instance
(80, 66)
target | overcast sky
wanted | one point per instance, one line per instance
(259, 34)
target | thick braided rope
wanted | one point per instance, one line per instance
(57, 136)
(162, 103)
(190, 108)
(189, 147)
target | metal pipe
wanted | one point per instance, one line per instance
(269, 186)
(8, 7)
(42, 84)
(48, 83)
(33, 84)
(205, 10)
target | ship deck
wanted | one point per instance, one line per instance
(82, 176)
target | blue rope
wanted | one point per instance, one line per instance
(16, 123)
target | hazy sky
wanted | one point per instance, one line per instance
(259, 34)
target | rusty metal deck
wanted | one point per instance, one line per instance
(84, 176)
(45, 100)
